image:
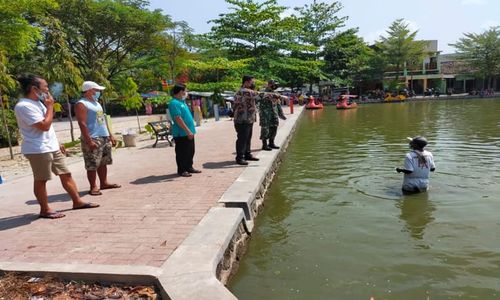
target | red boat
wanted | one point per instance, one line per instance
(342, 103)
(347, 106)
(313, 105)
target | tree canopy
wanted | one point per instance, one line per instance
(400, 47)
(481, 51)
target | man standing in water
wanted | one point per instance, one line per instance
(417, 166)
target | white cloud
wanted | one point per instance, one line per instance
(490, 23)
(473, 2)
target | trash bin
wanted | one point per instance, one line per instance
(129, 140)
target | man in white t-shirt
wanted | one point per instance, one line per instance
(417, 166)
(34, 113)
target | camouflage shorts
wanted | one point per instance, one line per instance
(99, 156)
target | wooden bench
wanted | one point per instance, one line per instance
(162, 130)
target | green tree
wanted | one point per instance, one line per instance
(219, 73)
(17, 36)
(347, 57)
(104, 36)
(400, 47)
(319, 24)
(176, 46)
(250, 29)
(132, 100)
(482, 52)
(60, 65)
(296, 71)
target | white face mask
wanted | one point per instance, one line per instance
(184, 97)
(41, 95)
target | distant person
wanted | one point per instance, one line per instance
(149, 107)
(244, 108)
(34, 113)
(417, 166)
(97, 140)
(183, 130)
(58, 109)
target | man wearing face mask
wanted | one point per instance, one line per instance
(244, 116)
(34, 114)
(97, 140)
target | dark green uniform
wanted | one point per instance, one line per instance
(277, 114)
(266, 113)
(269, 112)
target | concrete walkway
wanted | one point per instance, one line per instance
(140, 224)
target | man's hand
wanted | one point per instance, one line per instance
(62, 148)
(49, 101)
(190, 136)
(112, 140)
(91, 144)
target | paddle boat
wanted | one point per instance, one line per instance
(343, 104)
(394, 98)
(313, 105)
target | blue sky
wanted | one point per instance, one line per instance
(444, 20)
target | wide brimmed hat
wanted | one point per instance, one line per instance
(418, 141)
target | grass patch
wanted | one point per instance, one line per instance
(71, 144)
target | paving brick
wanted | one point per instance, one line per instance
(141, 223)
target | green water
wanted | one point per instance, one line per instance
(336, 225)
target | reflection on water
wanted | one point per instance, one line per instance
(416, 211)
(337, 226)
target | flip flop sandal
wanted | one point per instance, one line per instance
(52, 215)
(87, 205)
(95, 193)
(111, 186)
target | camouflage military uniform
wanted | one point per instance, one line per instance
(266, 112)
(276, 115)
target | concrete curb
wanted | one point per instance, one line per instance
(249, 188)
(194, 270)
(190, 272)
